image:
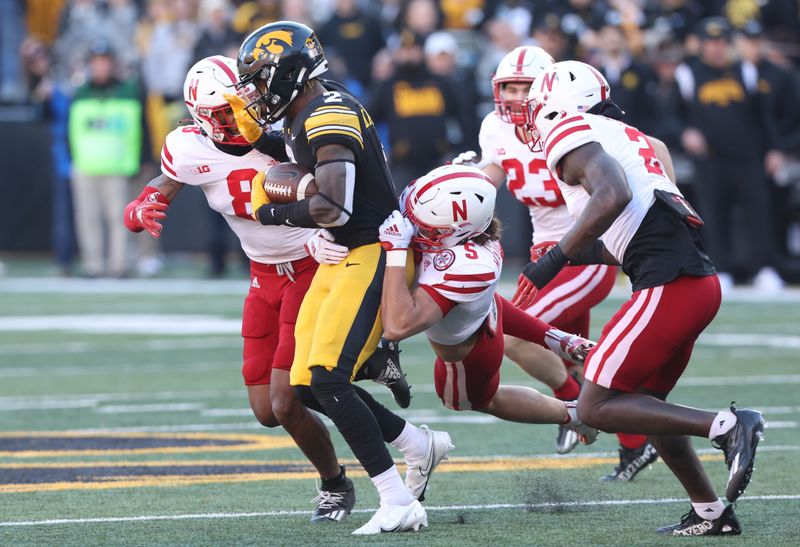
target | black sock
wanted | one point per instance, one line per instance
(335, 482)
(390, 423)
(352, 418)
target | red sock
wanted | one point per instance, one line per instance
(631, 442)
(569, 390)
(519, 324)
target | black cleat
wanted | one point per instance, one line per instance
(692, 524)
(631, 461)
(739, 446)
(335, 504)
(383, 367)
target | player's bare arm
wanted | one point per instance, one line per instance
(405, 312)
(168, 187)
(147, 210)
(496, 173)
(663, 155)
(604, 179)
(335, 176)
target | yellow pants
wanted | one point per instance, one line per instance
(339, 323)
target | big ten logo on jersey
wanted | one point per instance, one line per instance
(200, 169)
(534, 186)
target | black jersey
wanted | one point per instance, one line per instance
(663, 248)
(337, 118)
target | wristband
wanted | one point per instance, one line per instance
(295, 214)
(546, 268)
(396, 258)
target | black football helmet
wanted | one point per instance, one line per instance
(277, 60)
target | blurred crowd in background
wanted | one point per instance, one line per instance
(716, 80)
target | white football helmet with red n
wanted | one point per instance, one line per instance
(448, 205)
(521, 65)
(567, 87)
(206, 83)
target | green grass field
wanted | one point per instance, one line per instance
(123, 420)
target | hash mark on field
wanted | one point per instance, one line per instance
(483, 507)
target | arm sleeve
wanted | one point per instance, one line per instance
(272, 144)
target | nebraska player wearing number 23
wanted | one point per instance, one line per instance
(450, 221)
(213, 155)
(616, 187)
(565, 303)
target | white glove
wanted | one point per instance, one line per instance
(322, 248)
(396, 232)
(465, 158)
(569, 347)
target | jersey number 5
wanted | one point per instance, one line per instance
(239, 182)
(646, 150)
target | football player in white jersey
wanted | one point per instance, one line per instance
(567, 301)
(628, 212)
(451, 211)
(212, 154)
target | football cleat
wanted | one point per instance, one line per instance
(334, 505)
(395, 518)
(631, 461)
(383, 367)
(739, 446)
(569, 347)
(566, 440)
(692, 524)
(585, 433)
(418, 472)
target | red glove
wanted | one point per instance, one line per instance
(144, 212)
(540, 249)
(526, 293)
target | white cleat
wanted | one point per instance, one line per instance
(395, 518)
(419, 471)
(586, 434)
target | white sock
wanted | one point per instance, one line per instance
(709, 511)
(723, 422)
(412, 442)
(391, 488)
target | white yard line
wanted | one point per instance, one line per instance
(478, 507)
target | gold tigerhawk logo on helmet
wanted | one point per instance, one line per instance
(274, 42)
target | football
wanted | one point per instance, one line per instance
(289, 182)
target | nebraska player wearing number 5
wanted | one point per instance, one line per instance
(454, 301)
(616, 188)
(213, 155)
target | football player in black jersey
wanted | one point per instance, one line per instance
(329, 133)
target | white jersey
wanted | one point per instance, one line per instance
(529, 180)
(467, 275)
(626, 144)
(190, 157)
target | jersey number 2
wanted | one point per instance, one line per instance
(646, 150)
(239, 182)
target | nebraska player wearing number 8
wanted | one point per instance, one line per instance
(616, 188)
(454, 302)
(213, 155)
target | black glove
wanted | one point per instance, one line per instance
(546, 268)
